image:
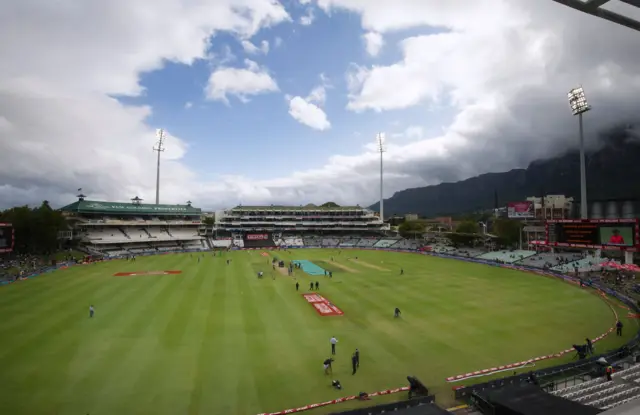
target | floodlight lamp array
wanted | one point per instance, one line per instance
(160, 134)
(381, 142)
(578, 101)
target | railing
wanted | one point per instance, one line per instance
(101, 222)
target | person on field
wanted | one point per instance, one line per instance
(311, 286)
(327, 366)
(354, 364)
(396, 312)
(91, 311)
(619, 326)
(401, 271)
(333, 341)
(317, 285)
(589, 345)
(357, 355)
(297, 285)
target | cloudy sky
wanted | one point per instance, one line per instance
(268, 101)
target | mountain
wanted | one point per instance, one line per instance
(613, 172)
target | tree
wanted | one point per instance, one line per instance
(461, 239)
(36, 230)
(507, 230)
(209, 220)
(410, 229)
(330, 205)
(467, 227)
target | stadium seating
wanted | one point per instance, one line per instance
(366, 242)
(631, 374)
(507, 257)
(312, 241)
(442, 249)
(548, 259)
(137, 234)
(385, 243)
(330, 242)
(467, 252)
(604, 394)
(105, 236)
(185, 233)
(196, 244)
(292, 241)
(407, 244)
(585, 264)
(221, 243)
(349, 242)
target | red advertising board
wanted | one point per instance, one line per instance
(520, 210)
(7, 237)
(257, 237)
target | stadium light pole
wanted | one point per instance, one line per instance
(380, 141)
(579, 105)
(159, 148)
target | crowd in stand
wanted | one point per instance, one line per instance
(22, 265)
(18, 266)
(619, 280)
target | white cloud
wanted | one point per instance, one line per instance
(277, 42)
(318, 95)
(240, 82)
(504, 65)
(307, 19)
(308, 113)
(373, 43)
(413, 132)
(62, 65)
(264, 47)
(188, 105)
(304, 2)
(252, 49)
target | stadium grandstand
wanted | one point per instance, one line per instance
(270, 226)
(122, 229)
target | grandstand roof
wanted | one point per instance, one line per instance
(113, 208)
(307, 207)
(602, 9)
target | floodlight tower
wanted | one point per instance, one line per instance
(579, 105)
(381, 147)
(159, 148)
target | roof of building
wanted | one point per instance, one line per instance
(306, 207)
(113, 208)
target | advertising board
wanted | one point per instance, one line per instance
(593, 233)
(520, 210)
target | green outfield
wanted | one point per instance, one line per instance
(215, 339)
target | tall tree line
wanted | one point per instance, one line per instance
(36, 229)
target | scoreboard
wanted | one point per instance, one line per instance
(593, 233)
(6, 237)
